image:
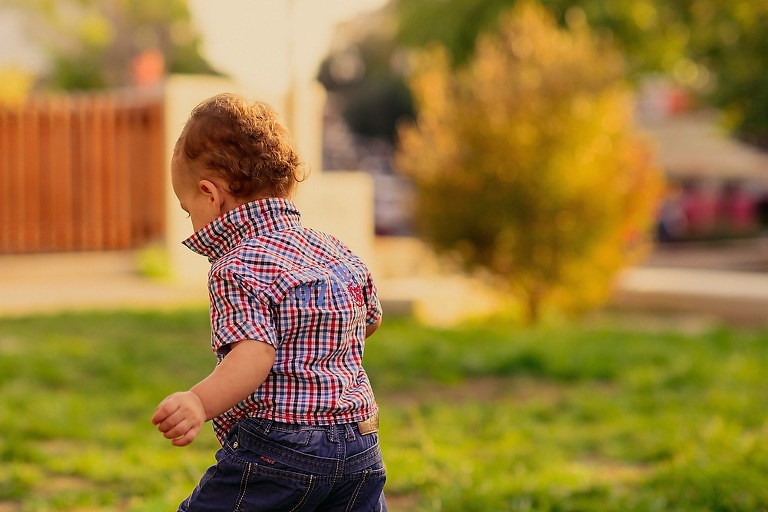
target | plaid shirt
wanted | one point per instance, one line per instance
(301, 291)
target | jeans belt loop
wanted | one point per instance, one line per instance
(369, 425)
(266, 426)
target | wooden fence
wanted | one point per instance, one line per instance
(81, 173)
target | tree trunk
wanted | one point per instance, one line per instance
(533, 300)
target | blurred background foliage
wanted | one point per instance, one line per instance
(714, 49)
(520, 130)
(93, 44)
(512, 155)
(504, 155)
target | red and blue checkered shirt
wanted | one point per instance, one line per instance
(301, 291)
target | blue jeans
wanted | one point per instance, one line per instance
(271, 466)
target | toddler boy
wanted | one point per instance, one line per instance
(290, 310)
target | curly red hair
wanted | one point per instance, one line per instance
(243, 143)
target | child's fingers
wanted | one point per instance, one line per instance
(159, 417)
(166, 408)
(175, 424)
(175, 429)
(187, 437)
(179, 418)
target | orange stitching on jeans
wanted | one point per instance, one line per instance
(243, 487)
(306, 494)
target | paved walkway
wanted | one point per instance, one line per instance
(728, 282)
(738, 297)
(86, 281)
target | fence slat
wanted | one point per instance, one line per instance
(16, 183)
(122, 184)
(80, 142)
(62, 178)
(45, 185)
(31, 190)
(97, 191)
(6, 164)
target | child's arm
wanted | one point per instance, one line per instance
(181, 415)
(370, 329)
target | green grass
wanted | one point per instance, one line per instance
(601, 416)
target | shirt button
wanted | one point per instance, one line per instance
(234, 445)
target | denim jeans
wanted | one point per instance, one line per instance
(271, 466)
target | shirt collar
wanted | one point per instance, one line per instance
(249, 220)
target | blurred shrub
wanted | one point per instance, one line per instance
(526, 163)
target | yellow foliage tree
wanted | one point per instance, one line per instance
(527, 165)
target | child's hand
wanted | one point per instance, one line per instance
(180, 417)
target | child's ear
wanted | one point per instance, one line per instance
(213, 194)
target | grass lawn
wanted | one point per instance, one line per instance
(597, 416)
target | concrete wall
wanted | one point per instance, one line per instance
(182, 94)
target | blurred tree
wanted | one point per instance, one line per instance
(526, 164)
(734, 46)
(107, 43)
(454, 24)
(716, 49)
(368, 79)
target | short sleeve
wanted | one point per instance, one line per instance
(238, 312)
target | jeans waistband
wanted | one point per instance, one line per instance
(367, 426)
(251, 435)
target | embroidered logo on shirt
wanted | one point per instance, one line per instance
(342, 282)
(317, 292)
(357, 293)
